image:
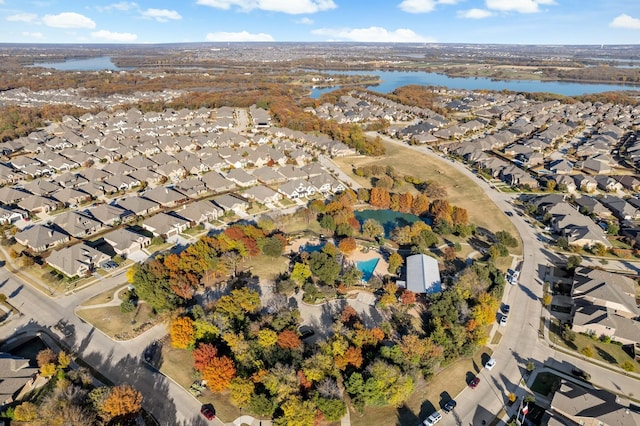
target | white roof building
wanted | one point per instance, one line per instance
(423, 275)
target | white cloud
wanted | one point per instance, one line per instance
(293, 7)
(305, 21)
(474, 14)
(418, 6)
(112, 36)
(373, 34)
(239, 36)
(122, 6)
(625, 21)
(32, 35)
(68, 20)
(23, 17)
(161, 15)
(522, 6)
(423, 6)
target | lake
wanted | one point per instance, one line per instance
(87, 64)
(388, 219)
(391, 80)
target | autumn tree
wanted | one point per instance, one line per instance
(122, 402)
(182, 332)
(408, 297)
(202, 355)
(420, 205)
(347, 245)
(405, 201)
(301, 273)
(449, 254)
(379, 197)
(26, 412)
(288, 339)
(46, 356)
(218, 373)
(241, 390)
(352, 356)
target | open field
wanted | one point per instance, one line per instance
(104, 297)
(116, 324)
(461, 190)
(266, 267)
(428, 396)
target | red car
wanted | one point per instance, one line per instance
(474, 382)
(208, 412)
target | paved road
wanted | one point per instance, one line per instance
(520, 343)
(118, 361)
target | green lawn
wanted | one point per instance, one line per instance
(607, 352)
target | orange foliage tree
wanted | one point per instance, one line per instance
(203, 354)
(380, 197)
(288, 339)
(347, 245)
(182, 333)
(352, 356)
(123, 401)
(218, 373)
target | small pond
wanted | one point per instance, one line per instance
(389, 219)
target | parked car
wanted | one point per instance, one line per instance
(306, 331)
(505, 309)
(432, 419)
(208, 412)
(474, 382)
(503, 320)
(490, 364)
(449, 406)
(581, 374)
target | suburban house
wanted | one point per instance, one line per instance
(108, 214)
(217, 183)
(77, 224)
(76, 260)
(241, 177)
(605, 304)
(166, 197)
(11, 215)
(124, 242)
(423, 274)
(231, 202)
(15, 373)
(582, 405)
(165, 225)
(40, 238)
(200, 212)
(138, 205)
(262, 194)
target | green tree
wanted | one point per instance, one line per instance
(387, 385)
(325, 267)
(296, 412)
(332, 409)
(613, 228)
(273, 247)
(573, 262)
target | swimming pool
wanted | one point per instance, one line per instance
(367, 267)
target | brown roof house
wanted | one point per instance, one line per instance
(77, 260)
(605, 304)
(125, 242)
(40, 238)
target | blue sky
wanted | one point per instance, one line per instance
(413, 21)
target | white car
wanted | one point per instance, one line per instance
(490, 364)
(432, 419)
(503, 320)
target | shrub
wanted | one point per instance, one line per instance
(568, 334)
(628, 366)
(587, 351)
(127, 306)
(606, 339)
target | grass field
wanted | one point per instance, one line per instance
(114, 323)
(428, 396)
(461, 190)
(176, 364)
(266, 267)
(104, 297)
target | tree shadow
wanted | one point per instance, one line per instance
(605, 355)
(528, 292)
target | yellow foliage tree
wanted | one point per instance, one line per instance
(48, 370)
(26, 412)
(182, 333)
(267, 338)
(241, 391)
(64, 359)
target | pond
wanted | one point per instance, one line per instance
(389, 219)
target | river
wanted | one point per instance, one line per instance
(86, 64)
